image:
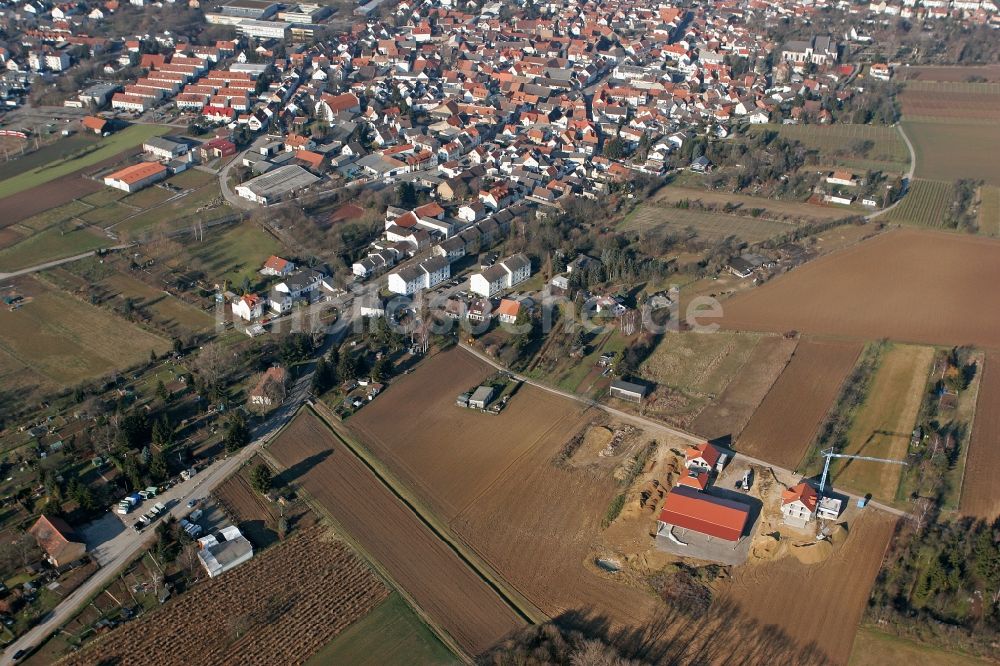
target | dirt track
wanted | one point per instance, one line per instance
(782, 428)
(907, 285)
(980, 492)
(444, 586)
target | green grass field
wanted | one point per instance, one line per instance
(390, 634)
(61, 164)
(66, 340)
(229, 253)
(55, 242)
(925, 204)
(706, 225)
(883, 425)
(989, 210)
(57, 150)
(44, 220)
(835, 144)
(952, 150)
(166, 309)
(874, 648)
(202, 205)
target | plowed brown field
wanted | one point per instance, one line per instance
(908, 285)
(980, 490)
(278, 608)
(537, 524)
(450, 454)
(440, 582)
(727, 416)
(819, 604)
(782, 428)
(493, 479)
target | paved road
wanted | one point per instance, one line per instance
(58, 262)
(649, 425)
(127, 545)
(234, 200)
(908, 178)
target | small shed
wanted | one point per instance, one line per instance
(629, 391)
(481, 397)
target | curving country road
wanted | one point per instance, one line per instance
(908, 178)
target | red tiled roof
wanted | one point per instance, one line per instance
(803, 492)
(690, 509)
(705, 451)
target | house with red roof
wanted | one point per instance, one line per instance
(277, 266)
(61, 544)
(694, 479)
(248, 307)
(705, 458)
(798, 504)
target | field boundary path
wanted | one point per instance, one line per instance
(59, 262)
(650, 424)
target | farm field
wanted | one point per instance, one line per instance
(952, 150)
(691, 369)
(789, 211)
(310, 586)
(925, 204)
(60, 163)
(816, 605)
(35, 200)
(414, 430)
(390, 634)
(885, 287)
(784, 425)
(980, 492)
(883, 425)
(550, 515)
(62, 240)
(836, 144)
(726, 416)
(989, 210)
(963, 103)
(949, 73)
(248, 509)
(59, 149)
(874, 648)
(442, 584)
(67, 341)
(707, 225)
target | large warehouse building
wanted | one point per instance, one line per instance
(276, 185)
(690, 509)
(137, 176)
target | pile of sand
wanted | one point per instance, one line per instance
(766, 548)
(838, 534)
(813, 553)
(597, 439)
